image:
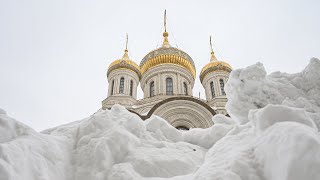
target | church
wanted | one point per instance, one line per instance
(166, 76)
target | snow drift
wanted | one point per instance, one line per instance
(251, 88)
(272, 135)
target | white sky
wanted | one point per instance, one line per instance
(54, 54)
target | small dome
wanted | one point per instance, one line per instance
(124, 63)
(214, 65)
(167, 54)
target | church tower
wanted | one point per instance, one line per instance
(167, 71)
(123, 78)
(213, 77)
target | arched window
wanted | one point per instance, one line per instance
(121, 89)
(169, 86)
(112, 86)
(212, 90)
(222, 87)
(152, 89)
(183, 128)
(131, 87)
(185, 88)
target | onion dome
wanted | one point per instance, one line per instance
(167, 55)
(124, 63)
(214, 65)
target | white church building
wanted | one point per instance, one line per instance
(166, 76)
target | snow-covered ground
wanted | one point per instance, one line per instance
(273, 135)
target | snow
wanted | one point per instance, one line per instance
(251, 88)
(288, 150)
(222, 119)
(26, 154)
(2, 111)
(271, 114)
(272, 135)
(10, 129)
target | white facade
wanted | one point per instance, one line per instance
(215, 78)
(158, 76)
(130, 78)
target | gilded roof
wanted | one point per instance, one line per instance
(124, 63)
(166, 51)
(214, 66)
(167, 55)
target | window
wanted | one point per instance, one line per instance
(121, 85)
(152, 89)
(212, 90)
(185, 88)
(169, 86)
(222, 87)
(112, 86)
(131, 87)
(183, 128)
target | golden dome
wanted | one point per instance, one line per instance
(124, 63)
(214, 65)
(167, 55)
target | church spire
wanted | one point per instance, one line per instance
(126, 56)
(213, 57)
(165, 33)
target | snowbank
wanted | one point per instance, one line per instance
(26, 154)
(3, 111)
(288, 150)
(272, 135)
(251, 88)
(10, 128)
(271, 114)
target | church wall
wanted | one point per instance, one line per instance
(128, 76)
(214, 77)
(159, 74)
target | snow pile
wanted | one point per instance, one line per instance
(271, 114)
(288, 150)
(251, 88)
(201, 137)
(10, 128)
(272, 135)
(26, 154)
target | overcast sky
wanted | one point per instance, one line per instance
(54, 54)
